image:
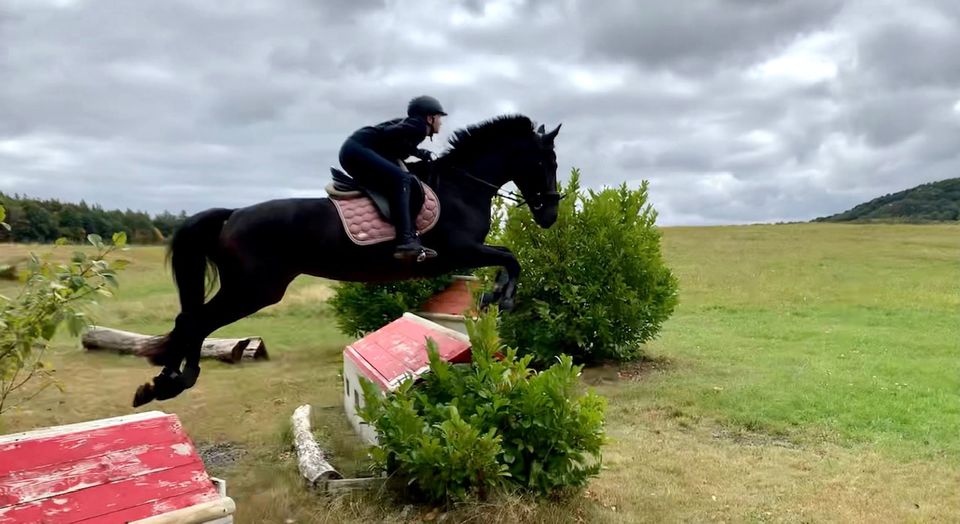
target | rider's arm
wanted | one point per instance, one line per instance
(405, 136)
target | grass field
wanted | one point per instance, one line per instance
(810, 374)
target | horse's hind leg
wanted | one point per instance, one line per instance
(236, 299)
(229, 306)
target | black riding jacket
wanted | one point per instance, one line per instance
(395, 139)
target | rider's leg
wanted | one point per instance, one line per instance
(408, 242)
(371, 169)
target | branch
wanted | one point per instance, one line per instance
(34, 366)
(24, 400)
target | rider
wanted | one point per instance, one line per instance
(373, 155)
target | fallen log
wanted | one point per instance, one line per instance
(230, 350)
(311, 461)
(8, 272)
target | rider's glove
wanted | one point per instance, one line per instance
(424, 155)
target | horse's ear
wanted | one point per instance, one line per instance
(548, 138)
(540, 130)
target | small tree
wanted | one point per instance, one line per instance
(594, 285)
(52, 294)
(465, 430)
(361, 307)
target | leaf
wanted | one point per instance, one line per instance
(111, 280)
(48, 331)
(96, 240)
(120, 239)
(76, 323)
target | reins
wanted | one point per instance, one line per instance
(510, 195)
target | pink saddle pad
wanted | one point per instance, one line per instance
(364, 225)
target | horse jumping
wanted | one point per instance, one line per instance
(257, 251)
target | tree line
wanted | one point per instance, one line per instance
(44, 221)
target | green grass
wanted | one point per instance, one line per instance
(809, 374)
(845, 331)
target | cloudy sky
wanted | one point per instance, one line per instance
(736, 111)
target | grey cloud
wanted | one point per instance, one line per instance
(187, 105)
(251, 104)
(902, 54)
(698, 36)
(891, 117)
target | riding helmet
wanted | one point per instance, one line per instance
(425, 106)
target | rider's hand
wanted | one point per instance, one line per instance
(424, 155)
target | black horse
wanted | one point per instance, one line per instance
(257, 251)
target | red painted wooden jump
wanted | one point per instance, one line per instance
(119, 469)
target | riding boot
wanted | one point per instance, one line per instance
(408, 243)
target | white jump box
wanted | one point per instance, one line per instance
(391, 354)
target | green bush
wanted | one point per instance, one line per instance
(594, 285)
(52, 294)
(361, 307)
(464, 430)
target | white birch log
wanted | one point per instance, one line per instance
(310, 458)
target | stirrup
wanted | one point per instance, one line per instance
(419, 252)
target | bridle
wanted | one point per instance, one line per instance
(537, 198)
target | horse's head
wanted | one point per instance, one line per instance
(507, 149)
(534, 171)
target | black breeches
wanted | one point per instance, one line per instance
(372, 170)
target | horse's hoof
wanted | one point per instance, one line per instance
(166, 386)
(144, 395)
(189, 376)
(486, 299)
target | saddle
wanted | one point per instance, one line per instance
(366, 214)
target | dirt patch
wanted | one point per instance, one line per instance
(751, 438)
(219, 454)
(637, 370)
(614, 372)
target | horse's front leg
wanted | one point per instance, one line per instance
(488, 256)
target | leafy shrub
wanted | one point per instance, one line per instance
(361, 307)
(464, 430)
(52, 294)
(594, 285)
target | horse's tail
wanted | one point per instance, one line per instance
(188, 254)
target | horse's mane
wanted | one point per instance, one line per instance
(490, 132)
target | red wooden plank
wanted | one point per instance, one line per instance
(60, 479)
(365, 369)
(69, 447)
(400, 348)
(377, 358)
(157, 507)
(112, 497)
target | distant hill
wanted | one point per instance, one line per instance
(933, 202)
